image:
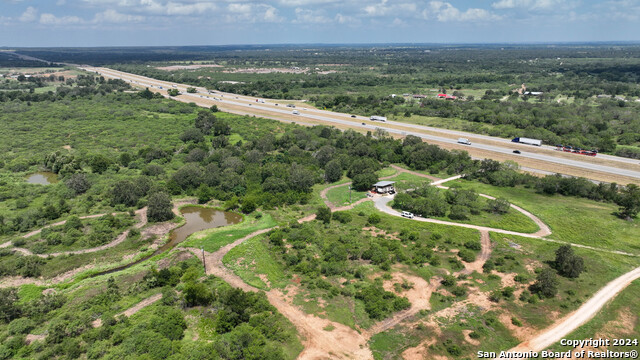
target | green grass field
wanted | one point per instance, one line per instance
(251, 259)
(571, 219)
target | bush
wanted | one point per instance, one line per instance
(374, 219)
(546, 283)
(467, 255)
(323, 214)
(342, 216)
(78, 183)
(160, 207)
(21, 326)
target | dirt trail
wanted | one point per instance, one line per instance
(574, 320)
(482, 258)
(341, 343)
(134, 309)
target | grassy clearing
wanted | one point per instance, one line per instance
(571, 219)
(251, 259)
(617, 320)
(405, 181)
(213, 239)
(519, 252)
(340, 196)
(513, 220)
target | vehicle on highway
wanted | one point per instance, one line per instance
(527, 141)
(378, 118)
(295, 112)
(353, 116)
(364, 124)
(291, 106)
(516, 152)
(464, 141)
(407, 214)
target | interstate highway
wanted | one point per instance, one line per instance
(602, 168)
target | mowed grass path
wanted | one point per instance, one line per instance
(571, 219)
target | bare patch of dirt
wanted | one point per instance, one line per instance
(188, 67)
(469, 339)
(31, 338)
(519, 332)
(268, 70)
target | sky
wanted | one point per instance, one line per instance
(225, 22)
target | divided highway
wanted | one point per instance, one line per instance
(544, 159)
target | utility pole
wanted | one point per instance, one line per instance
(349, 194)
(203, 262)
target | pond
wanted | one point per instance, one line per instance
(42, 178)
(197, 219)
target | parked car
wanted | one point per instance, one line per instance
(407, 214)
(516, 152)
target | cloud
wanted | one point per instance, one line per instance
(29, 15)
(50, 19)
(534, 5)
(445, 12)
(252, 13)
(304, 16)
(61, 2)
(347, 20)
(384, 9)
(112, 16)
(305, 2)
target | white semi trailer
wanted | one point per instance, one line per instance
(527, 141)
(378, 118)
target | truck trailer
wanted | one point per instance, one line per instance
(464, 141)
(527, 141)
(378, 118)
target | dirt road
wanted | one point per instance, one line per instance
(588, 310)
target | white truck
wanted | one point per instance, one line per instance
(464, 141)
(523, 140)
(378, 118)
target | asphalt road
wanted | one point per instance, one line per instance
(605, 164)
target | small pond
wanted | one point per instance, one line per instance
(197, 219)
(42, 178)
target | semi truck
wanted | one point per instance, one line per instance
(523, 140)
(378, 118)
(464, 141)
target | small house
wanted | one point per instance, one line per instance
(384, 187)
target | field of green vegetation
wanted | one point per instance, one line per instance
(115, 150)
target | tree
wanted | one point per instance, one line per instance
(173, 92)
(567, 263)
(333, 171)
(300, 178)
(160, 207)
(546, 283)
(191, 90)
(323, 214)
(629, 202)
(146, 94)
(125, 192)
(498, 206)
(214, 108)
(9, 308)
(192, 134)
(363, 182)
(78, 183)
(99, 163)
(205, 121)
(188, 176)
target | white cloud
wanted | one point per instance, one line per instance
(304, 16)
(112, 16)
(305, 2)
(445, 12)
(61, 2)
(50, 19)
(29, 15)
(535, 5)
(384, 9)
(347, 20)
(252, 13)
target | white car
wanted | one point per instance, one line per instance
(407, 214)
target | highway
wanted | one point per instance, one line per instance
(544, 159)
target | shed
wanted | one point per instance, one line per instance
(384, 187)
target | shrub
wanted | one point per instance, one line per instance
(467, 255)
(374, 219)
(342, 216)
(323, 214)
